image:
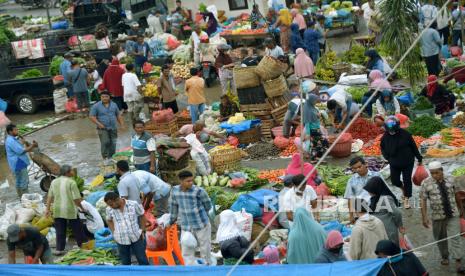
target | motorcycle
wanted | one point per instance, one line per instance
(208, 72)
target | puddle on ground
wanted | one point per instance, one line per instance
(74, 136)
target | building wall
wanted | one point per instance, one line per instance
(221, 5)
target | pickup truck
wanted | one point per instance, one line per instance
(26, 94)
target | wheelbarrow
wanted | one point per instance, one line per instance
(43, 167)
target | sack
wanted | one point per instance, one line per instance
(4, 121)
(71, 106)
(281, 142)
(59, 100)
(34, 202)
(36, 48)
(156, 239)
(244, 222)
(249, 204)
(462, 227)
(172, 43)
(322, 190)
(9, 217)
(405, 243)
(163, 116)
(24, 215)
(419, 175)
(21, 49)
(188, 239)
(51, 237)
(43, 223)
(103, 235)
(233, 141)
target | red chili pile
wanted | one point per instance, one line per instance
(364, 130)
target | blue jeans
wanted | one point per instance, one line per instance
(138, 248)
(339, 113)
(196, 111)
(143, 167)
(22, 179)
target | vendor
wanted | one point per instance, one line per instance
(156, 22)
(318, 143)
(387, 103)
(255, 17)
(142, 53)
(225, 65)
(375, 61)
(295, 167)
(196, 36)
(144, 148)
(203, 134)
(227, 108)
(291, 118)
(340, 104)
(31, 241)
(376, 82)
(247, 59)
(176, 23)
(134, 31)
(300, 196)
(65, 67)
(272, 49)
(154, 188)
(442, 99)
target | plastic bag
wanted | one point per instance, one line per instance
(172, 43)
(4, 121)
(95, 196)
(51, 237)
(244, 222)
(267, 217)
(405, 243)
(156, 239)
(233, 141)
(249, 204)
(33, 201)
(188, 239)
(103, 235)
(163, 116)
(322, 190)
(71, 106)
(43, 223)
(164, 220)
(419, 175)
(151, 221)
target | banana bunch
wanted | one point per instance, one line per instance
(325, 74)
(221, 147)
(237, 118)
(150, 90)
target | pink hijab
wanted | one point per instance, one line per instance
(303, 64)
(377, 80)
(294, 169)
(334, 239)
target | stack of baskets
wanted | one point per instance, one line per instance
(170, 128)
(225, 160)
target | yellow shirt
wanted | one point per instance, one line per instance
(194, 90)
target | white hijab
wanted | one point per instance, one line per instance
(228, 228)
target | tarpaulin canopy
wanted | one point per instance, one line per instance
(355, 268)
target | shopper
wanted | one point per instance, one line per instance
(431, 44)
(194, 88)
(306, 238)
(443, 20)
(303, 65)
(132, 93)
(156, 22)
(167, 89)
(79, 78)
(284, 23)
(144, 148)
(196, 37)
(399, 263)
(189, 205)
(458, 21)
(442, 99)
(225, 66)
(112, 82)
(105, 114)
(142, 54)
(300, 196)
(357, 182)
(127, 223)
(299, 19)
(65, 67)
(446, 211)
(31, 241)
(333, 249)
(320, 27)
(232, 243)
(296, 39)
(311, 38)
(384, 205)
(92, 219)
(153, 188)
(400, 150)
(291, 118)
(376, 83)
(317, 143)
(18, 160)
(343, 108)
(128, 185)
(428, 13)
(62, 202)
(367, 231)
(387, 104)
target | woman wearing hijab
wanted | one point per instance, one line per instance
(332, 251)
(225, 65)
(387, 104)
(400, 150)
(232, 243)
(303, 65)
(295, 168)
(255, 17)
(296, 39)
(311, 122)
(375, 61)
(399, 263)
(384, 205)
(306, 238)
(112, 81)
(212, 22)
(284, 22)
(376, 82)
(442, 99)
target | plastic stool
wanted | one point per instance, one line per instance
(172, 247)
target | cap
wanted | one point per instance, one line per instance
(434, 165)
(403, 120)
(13, 232)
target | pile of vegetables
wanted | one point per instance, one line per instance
(374, 148)
(212, 180)
(79, 182)
(335, 179)
(459, 120)
(459, 172)
(181, 70)
(357, 92)
(355, 55)
(453, 137)
(272, 175)
(262, 150)
(150, 90)
(422, 103)
(223, 198)
(425, 126)
(54, 68)
(6, 35)
(289, 150)
(456, 88)
(31, 73)
(324, 67)
(94, 256)
(127, 60)
(253, 181)
(23, 129)
(364, 130)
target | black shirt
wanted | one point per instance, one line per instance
(30, 243)
(399, 149)
(250, 61)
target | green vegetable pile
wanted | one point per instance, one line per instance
(211, 180)
(79, 182)
(54, 68)
(23, 129)
(357, 92)
(455, 88)
(422, 103)
(335, 178)
(253, 182)
(99, 256)
(31, 73)
(127, 60)
(6, 35)
(459, 172)
(355, 55)
(425, 126)
(223, 198)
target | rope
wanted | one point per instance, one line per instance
(336, 141)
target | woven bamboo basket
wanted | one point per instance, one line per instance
(269, 68)
(246, 77)
(276, 87)
(250, 136)
(225, 160)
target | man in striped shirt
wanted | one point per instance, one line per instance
(191, 204)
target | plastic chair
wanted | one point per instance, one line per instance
(172, 247)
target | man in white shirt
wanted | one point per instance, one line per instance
(197, 34)
(157, 24)
(299, 196)
(429, 12)
(154, 188)
(272, 49)
(132, 96)
(368, 10)
(443, 25)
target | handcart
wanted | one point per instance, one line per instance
(43, 167)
